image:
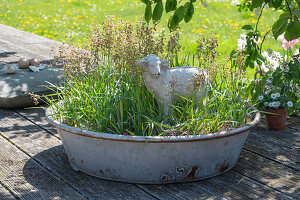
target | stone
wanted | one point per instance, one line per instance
(11, 68)
(34, 62)
(23, 63)
(34, 68)
(14, 88)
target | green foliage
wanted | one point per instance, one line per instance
(171, 5)
(279, 26)
(288, 22)
(158, 11)
(184, 11)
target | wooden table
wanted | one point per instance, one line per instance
(33, 163)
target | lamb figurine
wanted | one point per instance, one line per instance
(167, 84)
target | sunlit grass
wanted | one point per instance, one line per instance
(58, 19)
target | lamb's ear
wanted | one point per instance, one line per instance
(142, 63)
(164, 63)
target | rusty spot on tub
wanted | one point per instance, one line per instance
(73, 158)
(167, 176)
(191, 173)
(81, 161)
(223, 167)
(180, 170)
(101, 172)
(225, 144)
(164, 178)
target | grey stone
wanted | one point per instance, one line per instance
(14, 88)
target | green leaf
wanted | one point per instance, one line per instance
(285, 15)
(292, 31)
(247, 27)
(145, 1)
(298, 105)
(297, 13)
(178, 15)
(158, 10)
(171, 24)
(276, 3)
(171, 5)
(279, 27)
(148, 13)
(189, 12)
(233, 53)
(256, 3)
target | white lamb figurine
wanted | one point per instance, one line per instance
(170, 83)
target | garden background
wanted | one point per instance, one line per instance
(65, 20)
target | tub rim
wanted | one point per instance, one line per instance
(149, 139)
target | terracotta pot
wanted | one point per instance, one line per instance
(277, 120)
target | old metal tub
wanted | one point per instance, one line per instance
(151, 160)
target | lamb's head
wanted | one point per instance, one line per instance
(153, 64)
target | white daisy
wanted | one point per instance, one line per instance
(278, 88)
(260, 97)
(277, 103)
(267, 87)
(269, 81)
(266, 103)
(273, 96)
(271, 105)
(277, 94)
(290, 104)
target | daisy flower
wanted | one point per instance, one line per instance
(260, 97)
(271, 105)
(273, 96)
(267, 87)
(277, 103)
(269, 81)
(277, 94)
(266, 103)
(290, 104)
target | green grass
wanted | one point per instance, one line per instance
(113, 102)
(57, 19)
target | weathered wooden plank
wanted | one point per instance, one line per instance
(5, 194)
(37, 116)
(7, 57)
(239, 186)
(273, 149)
(29, 41)
(289, 136)
(231, 185)
(270, 173)
(27, 179)
(48, 151)
(21, 52)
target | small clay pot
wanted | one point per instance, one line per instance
(23, 63)
(34, 62)
(276, 122)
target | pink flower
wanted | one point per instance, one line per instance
(289, 44)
